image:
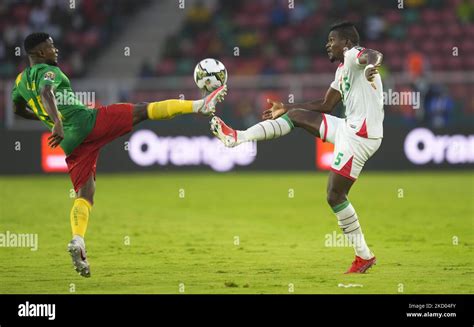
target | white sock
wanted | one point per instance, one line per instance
(266, 130)
(197, 105)
(349, 223)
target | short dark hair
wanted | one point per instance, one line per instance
(347, 30)
(32, 40)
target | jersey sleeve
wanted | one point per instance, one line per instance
(335, 84)
(16, 97)
(351, 57)
(49, 76)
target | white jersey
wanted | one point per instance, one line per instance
(363, 100)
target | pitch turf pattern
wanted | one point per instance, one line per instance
(191, 240)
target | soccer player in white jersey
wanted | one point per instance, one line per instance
(356, 138)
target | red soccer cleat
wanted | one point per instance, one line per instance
(226, 134)
(360, 266)
(211, 100)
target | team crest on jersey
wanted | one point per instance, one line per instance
(49, 76)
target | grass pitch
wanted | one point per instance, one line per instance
(241, 233)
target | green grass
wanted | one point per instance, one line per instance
(190, 240)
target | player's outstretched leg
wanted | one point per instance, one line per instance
(268, 129)
(168, 109)
(337, 191)
(79, 218)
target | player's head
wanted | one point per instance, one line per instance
(40, 47)
(341, 35)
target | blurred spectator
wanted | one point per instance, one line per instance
(416, 64)
(272, 38)
(418, 70)
(198, 19)
(298, 34)
(198, 14)
(299, 13)
(375, 26)
(246, 112)
(39, 17)
(439, 107)
(146, 70)
(279, 14)
(78, 32)
(465, 11)
(258, 37)
(415, 3)
(407, 114)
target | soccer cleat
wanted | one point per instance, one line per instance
(360, 265)
(211, 100)
(79, 259)
(226, 134)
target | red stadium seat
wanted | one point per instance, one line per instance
(448, 17)
(454, 63)
(395, 63)
(21, 14)
(428, 47)
(454, 31)
(454, 3)
(469, 30)
(417, 31)
(467, 46)
(393, 16)
(430, 16)
(391, 47)
(468, 62)
(436, 31)
(284, 34)
(281, 64)
(459, 91)
(166, 66)
(261, 21)
(436, 62)
(322, 65)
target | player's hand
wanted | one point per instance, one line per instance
(277, 109)
(57, 135)
(370, 72)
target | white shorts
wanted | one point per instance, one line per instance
(350, 150)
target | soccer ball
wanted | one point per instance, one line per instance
(210, 74)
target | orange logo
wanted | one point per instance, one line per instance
(324, 154)
(52, 160)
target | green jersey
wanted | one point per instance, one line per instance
(78, 120)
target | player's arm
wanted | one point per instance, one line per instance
(331, 99)
(371, 59)
(21, 109)
(49, 103)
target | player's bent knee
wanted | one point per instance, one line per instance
(87, 194)
(306, 119)
(140, 112)
(301, 116)
(141, 105)
(87, 191)
(335, 197)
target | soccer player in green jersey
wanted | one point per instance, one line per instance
(40, 92)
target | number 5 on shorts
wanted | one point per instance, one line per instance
(338, 158)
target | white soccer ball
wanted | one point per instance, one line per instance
(210, 74)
